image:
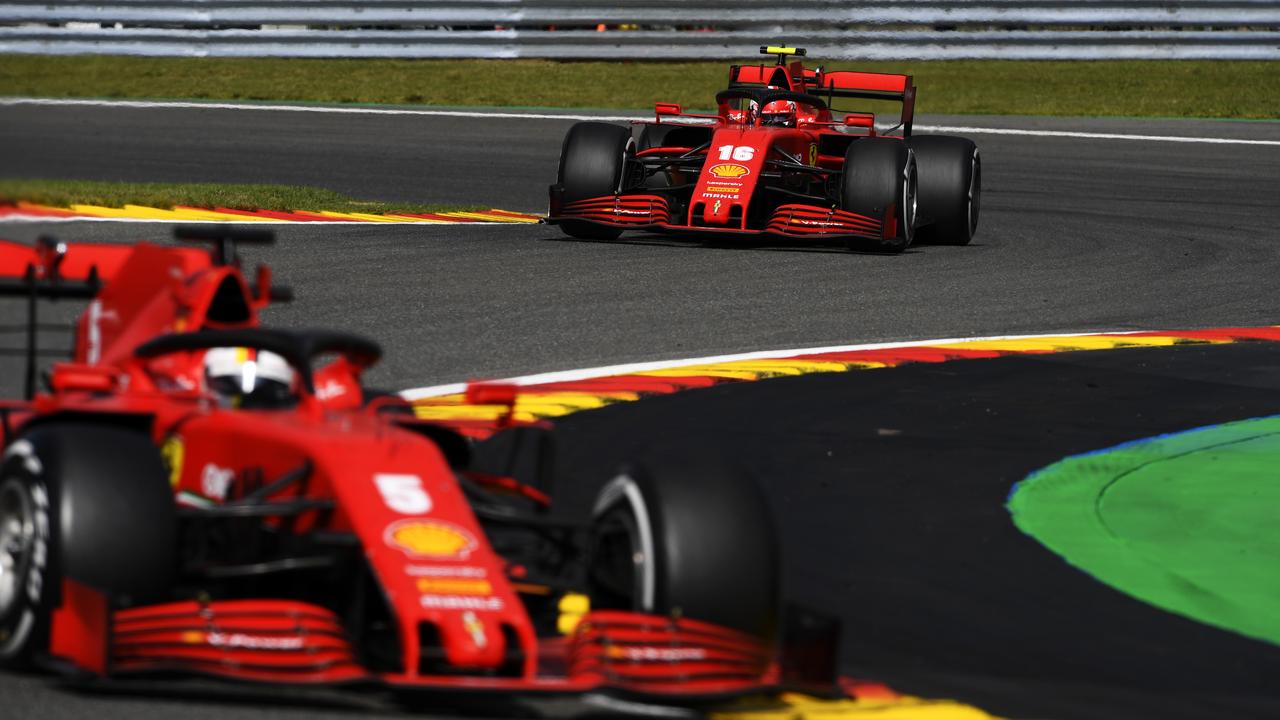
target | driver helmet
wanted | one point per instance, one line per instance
(779, 113)
(245, 378)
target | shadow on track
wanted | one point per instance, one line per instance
(752, 244)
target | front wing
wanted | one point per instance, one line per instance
(653, 213)
(290, 642)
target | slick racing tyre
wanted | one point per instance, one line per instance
(593, 163)
(653, 136)
(689, 537)
(950, 176)
(87, 502)
(880, 181)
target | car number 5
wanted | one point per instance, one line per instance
(403, 493)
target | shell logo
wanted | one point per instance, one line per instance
(729, 170)
(430, 539)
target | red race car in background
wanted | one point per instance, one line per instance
(195, 493)
(776, 160)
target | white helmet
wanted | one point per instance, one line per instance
(249, 378)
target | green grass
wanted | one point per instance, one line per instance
(1217, 89)
(61, 193)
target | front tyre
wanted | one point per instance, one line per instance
(690, 537)
(879, 181)
(82, 501)
(950, 188)
(593, 163)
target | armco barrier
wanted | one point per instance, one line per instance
(710, 29)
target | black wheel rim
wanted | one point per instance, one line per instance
(617, 564)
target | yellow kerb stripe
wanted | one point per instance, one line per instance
(1062, 344)
(488, 217)
(787, 367)
(189, 213)
(793, 706)
(149, 213)
(358, 216)
(410, 218)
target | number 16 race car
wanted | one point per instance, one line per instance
(775, 161)
(196, 494)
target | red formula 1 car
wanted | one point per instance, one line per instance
(776, 161)
(197, 494)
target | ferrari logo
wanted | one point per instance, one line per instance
(171, 452)
(475, 629)
(813, 154)
(715, 209)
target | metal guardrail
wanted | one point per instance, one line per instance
(695, 29)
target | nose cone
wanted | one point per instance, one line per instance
(716, 213)
(728, 178)
(723, 189)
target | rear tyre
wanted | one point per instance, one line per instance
(689, 537)
(593, 164)
(880, 181)
(653, 136)
(672, 135)
(950, 172)
(87, 502)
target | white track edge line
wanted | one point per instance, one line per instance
(1095, 135)
(423, 393)
(12, 101)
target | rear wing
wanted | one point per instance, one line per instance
(50, 269)
(831, 85)
(46, 271)
(867, 86)
(123, 276)
(55, 269)
(780, 76)
(759, 76)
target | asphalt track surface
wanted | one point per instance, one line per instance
(889, 490)
(1077, 234)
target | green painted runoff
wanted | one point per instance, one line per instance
(1186, 522)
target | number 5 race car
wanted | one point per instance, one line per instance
(195, 493)
(774, 162)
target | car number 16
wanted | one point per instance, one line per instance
(740, 153)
